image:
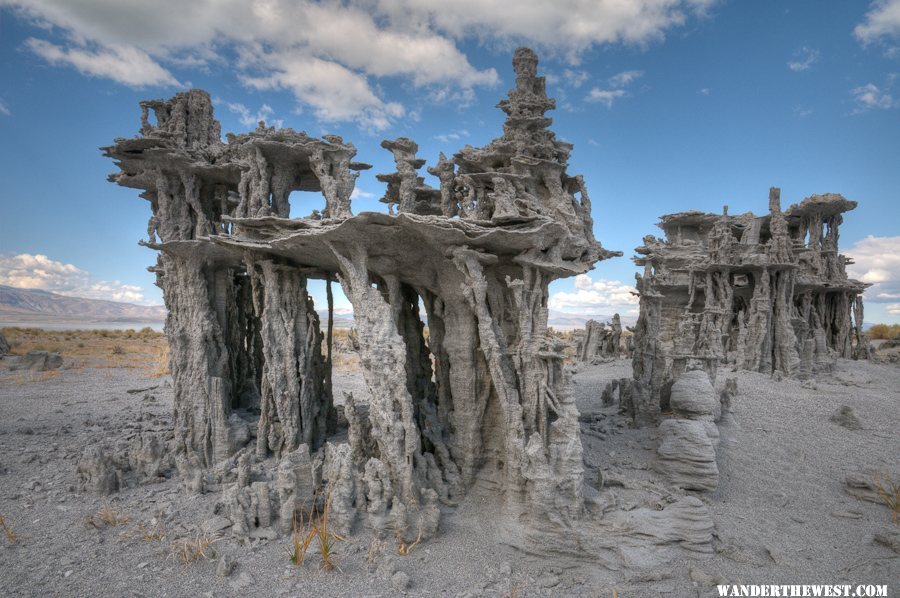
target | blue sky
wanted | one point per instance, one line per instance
(671, 104)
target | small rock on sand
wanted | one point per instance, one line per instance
(846, 417)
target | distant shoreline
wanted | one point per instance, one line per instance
(82, 325)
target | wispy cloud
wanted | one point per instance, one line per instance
(27, 271)
(4, 109)
(803, 59)
(704, 91)
(360, 194)
(869, 96)
(617, 83)
(881, 22)
(452, 136)
(124, 64)
(625, 78)
(250, 119)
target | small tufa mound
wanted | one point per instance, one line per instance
(4, 345)
(846, 417)
(693, 397)
(39, 361)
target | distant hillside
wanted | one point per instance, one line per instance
(35, 306)
(565, 321)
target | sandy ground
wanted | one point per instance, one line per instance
(781, 512)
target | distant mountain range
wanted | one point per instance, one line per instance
(566, 321)
(31, 306)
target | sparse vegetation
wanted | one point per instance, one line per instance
(314, 527)
(92, 348)
(8, 531)
(326, 539)
(106, 517)
(889, 492)
(301, 538)
(884, 332)
(188, 550)
(403, 548)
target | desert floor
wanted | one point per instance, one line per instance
(782, 513)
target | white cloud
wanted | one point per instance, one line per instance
(877, 261)
(4, 109)
(882, 20)
(452, 136)
(803, 59)
(360, 194)
(802, 111)
(124, 64)
(27, 271)
(893, 309)
(575, 77)
(249, 119)
(590, 296)
(331, 54)
(605, 96)
(704, 91)
(869, 96)
(625, 78)
(617, 82)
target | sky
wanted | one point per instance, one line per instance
(671, 105)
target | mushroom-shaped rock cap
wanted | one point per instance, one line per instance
(693, 395)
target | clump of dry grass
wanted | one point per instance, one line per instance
(8, 531)
(889, 492)
(326, 540)
(118, 350)
(301, 538)
(189, 550)
(106, 517)
(159, 365)
(404, 548)
(314, 527)
(153, 533)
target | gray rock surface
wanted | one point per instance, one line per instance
(764, 293)
(687, 455)
(4, 345)
(484, 392)
(38, 361)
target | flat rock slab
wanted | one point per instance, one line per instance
(39, 361)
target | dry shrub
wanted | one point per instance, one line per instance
(883, 332)
(118, 350)
(106, 517)
(301, 538)
(402, 547)
(189, 550)
(889, 492)
(159, 365)
(8, 531)
(314, 527)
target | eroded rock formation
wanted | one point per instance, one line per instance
(765, 293)
(600, 341)
(483, 398)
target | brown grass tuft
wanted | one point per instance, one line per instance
(889, 492)
(8, 531)
(106, 517)
(301, 538)
(189, 550)
(402, 547)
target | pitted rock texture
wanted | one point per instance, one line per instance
(765, 293)
(38, 361)
(687, 455)
(482, 396)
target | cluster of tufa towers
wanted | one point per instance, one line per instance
(482, 395)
